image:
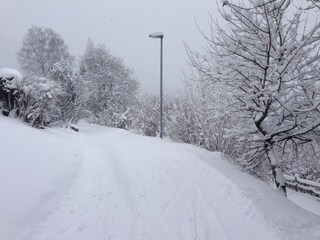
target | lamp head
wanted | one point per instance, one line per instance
(156, 35)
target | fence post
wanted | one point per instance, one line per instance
(296, 176)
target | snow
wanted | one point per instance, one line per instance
(34, 166)
(309, 203)
(305, 181)
(9, 72)
(104, 183)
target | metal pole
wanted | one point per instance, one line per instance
(160, 35)
(161, 89)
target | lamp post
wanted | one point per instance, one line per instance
(160, 35)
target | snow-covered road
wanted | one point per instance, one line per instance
(122, 186)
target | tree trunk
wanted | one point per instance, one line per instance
(276, 171)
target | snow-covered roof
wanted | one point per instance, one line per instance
(9, 73)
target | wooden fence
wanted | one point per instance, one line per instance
(303, 185)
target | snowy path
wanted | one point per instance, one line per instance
(121, 194)
(133, 187)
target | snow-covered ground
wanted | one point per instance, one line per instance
(306, 201)
(104, 183)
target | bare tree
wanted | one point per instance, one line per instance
(41, 49)
(268, 64)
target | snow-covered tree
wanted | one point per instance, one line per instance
(267, 62)
(110, 88)
(41, 48)
(62, 74)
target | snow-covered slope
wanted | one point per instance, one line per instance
(35, 166)
(104, 183)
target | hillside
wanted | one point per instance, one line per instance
(104, 183)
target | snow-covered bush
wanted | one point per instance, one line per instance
(9, 78)
(146, 114)
(29, 97)
(36, 100)
(195, 117)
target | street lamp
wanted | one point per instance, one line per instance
(160, 35)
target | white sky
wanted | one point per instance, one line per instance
(122, 25)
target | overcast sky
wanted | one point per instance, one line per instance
(122, 25)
